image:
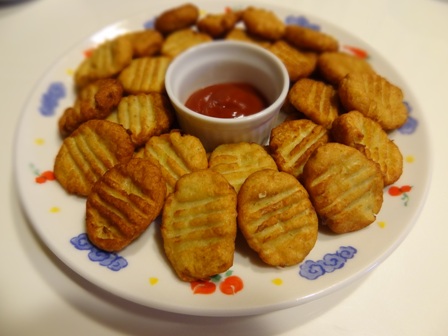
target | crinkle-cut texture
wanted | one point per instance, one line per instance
(333, 66)
(181, 40)
(292, 143)
(345, 187)
(145, 75)
(317, 100)
(106, 61)
(91, 150)
(144, 115)
(199, 225)
(236, 161)
(94, 101)
(355, 130)
(263, 23)
(218, 25)
(145, 43)
(238, 34)
(123, 203)
(308, 39)
(177, 18)
(176, 154)
(298, 64)
(375, 97)
(277, 218)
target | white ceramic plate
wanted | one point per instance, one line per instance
(141, 273)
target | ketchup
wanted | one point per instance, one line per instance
(227, 100)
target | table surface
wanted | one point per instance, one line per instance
(405, 295)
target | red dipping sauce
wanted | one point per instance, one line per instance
(227, 100)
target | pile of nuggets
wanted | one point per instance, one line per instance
(326, 164)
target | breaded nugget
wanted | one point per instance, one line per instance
(292, 143)
(218, 25)
(263, 23)
(317, 100)
(106, 61)
(145, 75)
(308, 39)
(238, 34)
(181, 40)
(277, 218)
(299, 64)
(345, 187)
(144, 115)
(123, 203)
(176, 154)
(355, 130)
(146, 42)
(177, 18)
(236, 161)
(333, 66)
(199, 225)
(375, 97)
(94, 101)
(91, 150)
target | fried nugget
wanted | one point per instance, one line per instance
(94, 101)
(144, 115)
(298, 64)
(91, 150)
(145, 43)
(106, 61)
(236, 161)
(355, 130)
(181, 40)
(218, 25)
(199, 225)
(277, 218)
(145, 75)
(176, 154)
(375, 97)
(345, 187)
(263, 23)
(238, 34)
(317, 100)
(123, 203)
(308, 39)
(292, 143)
(333, 66)
(177, 18)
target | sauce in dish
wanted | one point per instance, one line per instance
(227, 100)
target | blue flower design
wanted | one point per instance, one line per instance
(411, 123)
(149, 24)
(312, 270)
(301, 21)
(110, 260)
(50, 99)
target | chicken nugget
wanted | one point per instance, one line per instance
(199, 225)
(123, 203)
(277, 218)
(263, 23)
(308, 39)
(218, 25)
(177, 18)
(146, 42)
(239, 34)
(179, 41)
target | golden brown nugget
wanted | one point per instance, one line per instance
(298, 64)
(94, 101)
(181, 40)
(177, 18)
(176, 154)
(123, 203)
(345, 187)
(144, 115)
(91, 150)
(308, 39)
(106, 61)
(277, 218)
(145, 75)
(317, 100)
(375, 97)
(238, 34)
(333, 66)
(199, 225)
(236, 161)
(292, 143)
(263, 23)
(145, 43)
(218, 25)
(355, 130)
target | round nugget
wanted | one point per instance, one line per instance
(277, 218)
(345, 187)
(263, 23)
(177, 18)
(308, 39)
